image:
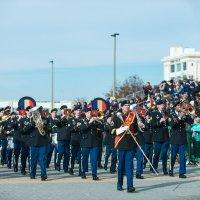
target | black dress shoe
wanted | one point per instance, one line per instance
(182, 176)
(58, 167)
(9, 166)
(23, 172)
(95, 178)
(71, 172)
(80, 174)
(83, 176)
(105, 167)
(113, 171)
(139, 177)
(120, 188)
(32, 177)
(171, 173)
(66, 170)
(15, 168)
(43, 178)
(165, 173)
(131, 189)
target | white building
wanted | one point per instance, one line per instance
(45, 104)
(182, 63)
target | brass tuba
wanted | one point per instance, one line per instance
(37, 118)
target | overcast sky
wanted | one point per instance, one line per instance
(76, 35)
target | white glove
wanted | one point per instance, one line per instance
(91, 120)
(122, 130)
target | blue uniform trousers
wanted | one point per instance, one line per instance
(139, 158)
(113, 152)
(9, 157)
(178, 149)
(50, 149)
(125, 165)
(99, 157)
(75, 153)
(63, 151)
(93, 152)
(160, 151)
(17, 150)
(25, 155)
(4, 143)
(38, 154)
(148, 150)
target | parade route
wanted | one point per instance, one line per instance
(14, 186)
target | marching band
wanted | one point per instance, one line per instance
(35, 136)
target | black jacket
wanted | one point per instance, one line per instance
(109, 138)
(148, 133)
(160, 130)
(10, 127)
(178, 131)
(91, 134)
(61, 127)
(75, 131)
(64, 129)
(36, 139)
(127, 143)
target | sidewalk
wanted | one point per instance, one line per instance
(14, 186)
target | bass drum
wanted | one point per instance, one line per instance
(26, 101)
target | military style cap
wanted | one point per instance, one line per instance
(63, 107)
(125, 102)
(54, 110)
(77, 107)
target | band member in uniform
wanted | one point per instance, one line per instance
(5, 115)
(17, 144)
(63, 137)
(148, 139)
(10, 128)
(159, 124)
(179, 138)
(52, 146)
(91, 129)
(137, 153)
(75, 139)
(126, 126)
(39, 140)
(109, 142)
(25, 126)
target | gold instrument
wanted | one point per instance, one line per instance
(97, 115)
(187, 108)
(3, 119)
(37, 118)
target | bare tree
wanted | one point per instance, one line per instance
(131, 85)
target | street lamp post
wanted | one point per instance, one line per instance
(52, 84)
(114, 63)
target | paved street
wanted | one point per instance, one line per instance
(14, 186)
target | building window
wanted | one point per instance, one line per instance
(172, 68)
(184, 66)
(178, 67)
